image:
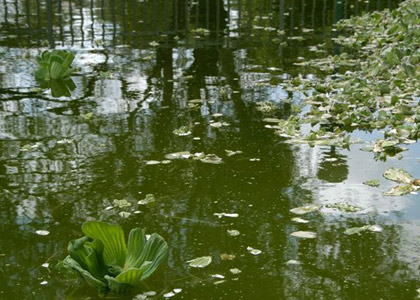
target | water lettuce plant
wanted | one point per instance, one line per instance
(54, 71)
(54, 65)
(104, 260)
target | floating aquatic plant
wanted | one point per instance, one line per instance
(54, 65)
(104, 260)
(54, 71)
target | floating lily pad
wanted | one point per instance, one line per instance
(200, 262)
(304, 234)
(305, 209)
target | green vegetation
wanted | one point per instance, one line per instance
(54, 65)
(372, 84)
(103, 259)
(54, 71)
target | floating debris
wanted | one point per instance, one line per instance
(182, 131)
(400, 190)
(152, 162)
(124, 214)
(200, 262)
(300, 220)
(211, 159)
(398, 175)
(293, 262)
(228, 215)
(121, 203)
(304, 234)
(343, 206)
(235, 271)
(226, 256)
(218, 276)
(233, 232)
(359, 230)
(43, 282)
(232, 153)
(45, 265)
(178, 155)
(253, 251)
(150, 199)
(372, 182)
(305, 209)
(219, 124)
(42, 232)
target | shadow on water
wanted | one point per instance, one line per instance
(64, 160)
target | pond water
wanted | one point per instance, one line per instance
(64, 160)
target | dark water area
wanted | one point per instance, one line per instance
(64, 160)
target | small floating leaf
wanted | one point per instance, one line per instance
(300, 220)
(150, 199)
(398, 175)
(233, 232)
(304, 234)
(121, 203)
(200, 262)
(292, 262)
(42, 232)
(235, 271)
(253, 251)
(225, 256)
(217, 276)
(399, 190)
(228, 215)
(152, 162)
(178, 155)
(343, 206)
(211, 159)
(182, 131)
(305, 209)
(359, 230)
(372, 182)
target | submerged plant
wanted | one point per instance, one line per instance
(54, 65)
(106, 262)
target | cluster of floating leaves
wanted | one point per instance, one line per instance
(373, 84)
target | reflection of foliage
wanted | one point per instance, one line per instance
(104, 260)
